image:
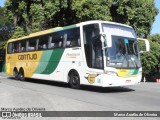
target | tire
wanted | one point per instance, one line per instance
(74, 80)
(15, 74)
(21, 75)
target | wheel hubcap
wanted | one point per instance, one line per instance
(75, 80)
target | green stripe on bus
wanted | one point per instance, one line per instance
(64, 28)
(48, 64)
(133, 72)
(69, 27)
(43, 61)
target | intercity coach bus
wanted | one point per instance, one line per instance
(97, 53)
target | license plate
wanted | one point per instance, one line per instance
(128, 81)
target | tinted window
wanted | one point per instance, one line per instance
(65, 38)
(22, 46)
(9, 48)
(56, 40)
(73, 37)
(43, 42)
(32, 44)
(93, 47)
(15, 47)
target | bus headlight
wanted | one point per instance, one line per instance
(111, 73)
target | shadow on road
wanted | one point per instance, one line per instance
(107, 89)
(83, 87)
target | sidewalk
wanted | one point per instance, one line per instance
(3, 75)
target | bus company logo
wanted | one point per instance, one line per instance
(72, 55)
(91, 78)
(27, 57)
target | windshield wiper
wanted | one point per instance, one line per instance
(134, 62)
(127, 57)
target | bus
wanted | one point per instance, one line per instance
(95, 53)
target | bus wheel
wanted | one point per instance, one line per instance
(21, 75)
(15, 74)
(74, 80)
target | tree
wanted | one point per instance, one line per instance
(36, 15)
(31, 15)
(140, 14)
(6, 29)
(151, 60)
(92, 10)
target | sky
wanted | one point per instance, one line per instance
(155, 26)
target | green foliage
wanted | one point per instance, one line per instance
(39, 14)
(92, 9)
(6, 29)
(151, 60)
(155, 38)
(36, 15)
(140, 14)
(19, 32)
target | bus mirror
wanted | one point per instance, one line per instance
(146, 44)
(107, 39)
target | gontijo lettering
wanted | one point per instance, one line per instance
(27, 57)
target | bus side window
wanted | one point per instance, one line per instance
(68, 43)
(50, 44)
(43, 42)
(9, 48)
(32, 44)
(57, 40)
(73, 37)
(60, 44)
(15, 47)
(22, 46)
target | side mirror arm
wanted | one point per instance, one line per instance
(146, 43)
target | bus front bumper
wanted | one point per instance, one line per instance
(110, 80)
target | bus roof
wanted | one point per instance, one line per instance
(63, 28)
(107, 22)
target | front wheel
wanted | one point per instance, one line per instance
(74, 80)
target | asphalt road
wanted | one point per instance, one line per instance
(53, 96)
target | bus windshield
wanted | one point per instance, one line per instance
(124, 53)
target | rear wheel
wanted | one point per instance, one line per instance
(21, 75)
(15, 74)
(74, 80)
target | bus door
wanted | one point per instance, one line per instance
(93, 47)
